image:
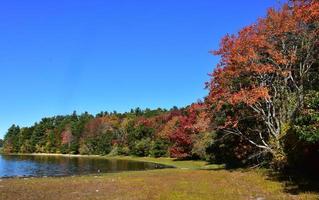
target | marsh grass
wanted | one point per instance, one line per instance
(189, 180)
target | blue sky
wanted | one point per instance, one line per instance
(59, 56)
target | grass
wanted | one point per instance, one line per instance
(188, 180)
(182, 164)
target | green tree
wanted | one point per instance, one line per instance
(307, 123)
(142, 147)
(159, 148)
(11, 140)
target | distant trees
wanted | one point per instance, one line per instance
(1, 143)
(181, 133)
(139, 132)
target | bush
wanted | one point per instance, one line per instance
(123, 150)
(114, 151)
(202, 142)
(142, 147)
(64, 149)
(84, 150)
(159, 148)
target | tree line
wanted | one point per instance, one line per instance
(262, 107)
(139, 132)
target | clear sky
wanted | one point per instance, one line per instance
(64, 55)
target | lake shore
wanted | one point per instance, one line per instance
(187, 181)
(182, 164)
(53, 154)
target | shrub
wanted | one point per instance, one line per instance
(202, 142)
(159, 148)
(142, 147)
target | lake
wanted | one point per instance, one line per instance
(41, 166)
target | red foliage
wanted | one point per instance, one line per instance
(182, 138)
(192, 122)
(67, 137)
(100, 125)
(255, 53)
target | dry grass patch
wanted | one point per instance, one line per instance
(159, 184)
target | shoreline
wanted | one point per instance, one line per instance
(88, 156)
(179, 164)
(51, 154)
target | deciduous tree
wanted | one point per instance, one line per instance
(265, 68)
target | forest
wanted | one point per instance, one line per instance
(262, 107)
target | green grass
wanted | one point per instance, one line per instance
(181, 164)
(187, 181)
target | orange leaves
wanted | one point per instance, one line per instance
(168, 127)
(202, 123)
(278, 22)
(230, 122)
(243, 53)
(262, 68)
(308, 11)
(249, 96)
(265, 49)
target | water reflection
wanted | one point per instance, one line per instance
(29, 166)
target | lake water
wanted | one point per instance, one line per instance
(39, 166)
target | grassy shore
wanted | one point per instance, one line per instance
(184, 164)
(189, 180)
